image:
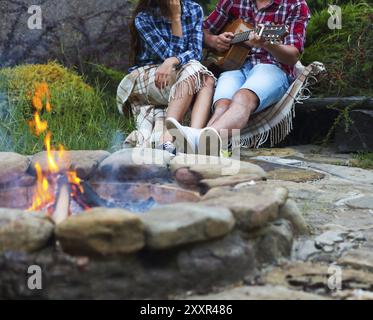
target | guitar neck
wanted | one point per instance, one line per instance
(241, 37)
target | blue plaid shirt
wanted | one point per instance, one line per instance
(158, 43)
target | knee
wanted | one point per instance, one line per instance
(247, 99)
(209, 82)
(222, 104)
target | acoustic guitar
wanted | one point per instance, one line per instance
(236, 56)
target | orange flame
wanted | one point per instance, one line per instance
(44, 194)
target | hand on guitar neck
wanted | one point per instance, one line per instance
(256, 41)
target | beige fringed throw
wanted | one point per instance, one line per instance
(276, 122)
(137, 92)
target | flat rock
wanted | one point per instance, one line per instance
(268, 152)
(365, 202)
(135, 164)
(329, 238)
(266, 292)
(101, 232)
(252, 206)
(173, 225)
(24, 231)
(356, 175)
(12, 166)
(295, 175)
(358, 259)
(208, 167)
(84, 162)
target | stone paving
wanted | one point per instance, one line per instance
(338, 209)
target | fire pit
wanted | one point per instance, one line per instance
(138, 223)
(166, 225)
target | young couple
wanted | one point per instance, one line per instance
(168, 36)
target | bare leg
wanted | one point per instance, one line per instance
(177, 109)
(243, 104)
(202, 105)
(221, 107)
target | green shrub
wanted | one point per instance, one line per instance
(106, 78)
(347, 53)
(82, 117)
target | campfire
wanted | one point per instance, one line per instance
(58, 191)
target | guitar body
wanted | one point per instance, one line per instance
(235, 57)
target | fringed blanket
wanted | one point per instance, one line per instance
(276, 122)
(137, 92)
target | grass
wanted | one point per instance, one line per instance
(363, 160)
(82, 117)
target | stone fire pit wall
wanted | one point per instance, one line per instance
(239, 224)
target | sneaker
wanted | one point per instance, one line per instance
(210, 142)
(186, 137)
(168, 146)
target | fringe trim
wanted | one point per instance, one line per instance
(279, 132)
(194, 82)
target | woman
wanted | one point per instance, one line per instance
(167, 45)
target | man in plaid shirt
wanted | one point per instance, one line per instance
(268, 70)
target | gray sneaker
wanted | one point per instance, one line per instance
(168, 146)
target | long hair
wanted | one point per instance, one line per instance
(153, 7)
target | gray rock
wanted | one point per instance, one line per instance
(71, 32)
(101, 232)
(365, 202)
(329, 238)
(174, 225)
(290, 211)
(273, 241)
(135, 164)
(252, 206)
(24, 231)
(84, 162)
(12, 166)
(305, 250)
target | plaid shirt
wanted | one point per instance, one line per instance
(158, 43)
(293, 13)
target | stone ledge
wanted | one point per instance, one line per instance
(24, 231)
(184, 223)
(101, 232)
(12, 166)
(252, 206)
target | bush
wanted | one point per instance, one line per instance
(346, 53)
(82, 117)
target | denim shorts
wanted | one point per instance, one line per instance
(268, 81)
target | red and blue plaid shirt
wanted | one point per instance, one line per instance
(293, 13)
(158, 43)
